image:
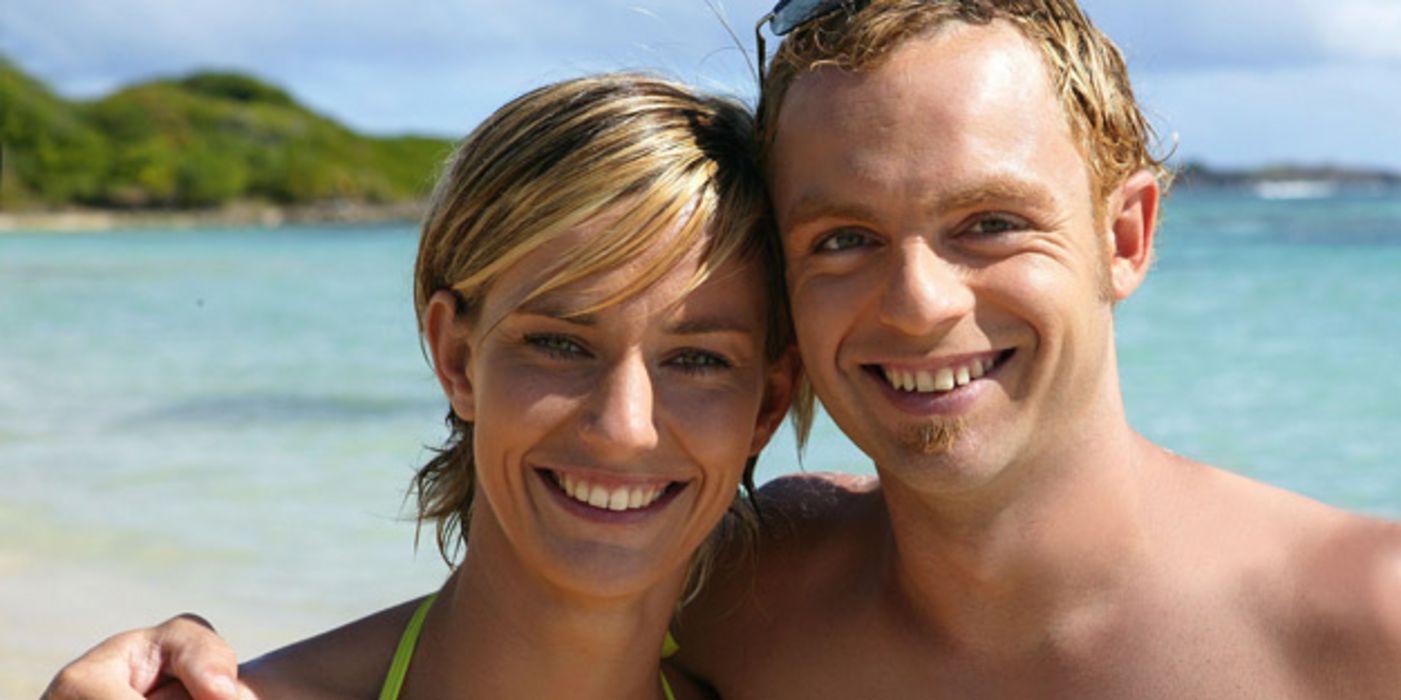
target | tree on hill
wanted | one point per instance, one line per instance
(51, 154)
(198, 141)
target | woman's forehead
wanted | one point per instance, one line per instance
(687, 293)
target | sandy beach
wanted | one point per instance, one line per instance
(241, 214)
(57, 600)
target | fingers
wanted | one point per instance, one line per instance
(170, 691)
(103, 672)
(191, 653)
(181, 658)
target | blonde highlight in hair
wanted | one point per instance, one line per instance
(672, 170)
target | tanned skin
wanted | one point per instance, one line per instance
(936, 207)
(1022, 540)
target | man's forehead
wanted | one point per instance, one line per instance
(961, 59)
(976, 99)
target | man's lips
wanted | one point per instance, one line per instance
(941, 375)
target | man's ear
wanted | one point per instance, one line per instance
(1133, 221)
(449, 344)
(780, 382)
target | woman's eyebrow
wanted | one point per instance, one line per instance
(554, 308)
(710, 324)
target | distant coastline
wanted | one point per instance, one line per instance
(237, 214)
(1289, 181)
(208, 148)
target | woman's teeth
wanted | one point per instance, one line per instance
(606, 498)
(942, 379)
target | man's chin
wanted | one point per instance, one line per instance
(932, 437)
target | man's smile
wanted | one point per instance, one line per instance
(938, 376)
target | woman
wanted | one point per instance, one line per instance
(600, 300)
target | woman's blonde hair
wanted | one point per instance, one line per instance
(681, 167)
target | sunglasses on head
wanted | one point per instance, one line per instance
(788, 15)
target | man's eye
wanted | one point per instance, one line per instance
(996, 224)
(555, 345)
(699, 361)
(843, 239)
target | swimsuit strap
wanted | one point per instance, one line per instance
(666, 687)
(403, 654)
(669, 647)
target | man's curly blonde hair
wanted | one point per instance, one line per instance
(1085, 67)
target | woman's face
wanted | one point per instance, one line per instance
(609, 445)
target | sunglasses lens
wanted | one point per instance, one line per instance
(790, 14)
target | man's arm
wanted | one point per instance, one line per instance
(182, 657)
(185, 658)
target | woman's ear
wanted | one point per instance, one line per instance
(780, 382)
(449, 345)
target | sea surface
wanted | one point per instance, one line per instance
(225, 421)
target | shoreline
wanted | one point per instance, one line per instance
(242, 214)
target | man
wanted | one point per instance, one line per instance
(964, 190)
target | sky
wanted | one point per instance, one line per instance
(1236, 84)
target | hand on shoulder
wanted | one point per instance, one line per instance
(182, 657)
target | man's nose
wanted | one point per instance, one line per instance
(618, 418)
(926, 294)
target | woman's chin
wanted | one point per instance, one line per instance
(607, 570)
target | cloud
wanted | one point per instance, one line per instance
(1210, 34)
(1224, 74)
(422, 65)
(1240, 117)
(1367, 29)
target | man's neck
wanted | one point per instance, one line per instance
(1055, 539)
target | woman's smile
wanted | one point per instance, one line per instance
(613, 425)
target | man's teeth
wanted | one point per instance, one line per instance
(942, 379)
(605, 498)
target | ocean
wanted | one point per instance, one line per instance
(225, 421)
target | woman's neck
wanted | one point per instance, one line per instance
(500, 630)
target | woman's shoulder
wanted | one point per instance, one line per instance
(349, 661)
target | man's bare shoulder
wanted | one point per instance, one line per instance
(1348, 605)
(795, 503)
(349, 661)
(1324, 582)
(815, 528)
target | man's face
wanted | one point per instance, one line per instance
(944, 263)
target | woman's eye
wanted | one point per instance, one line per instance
(699, 361)
(555, 345)
(843, 239)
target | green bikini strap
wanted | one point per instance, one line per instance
(403, 654)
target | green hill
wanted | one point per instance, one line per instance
(200, 141)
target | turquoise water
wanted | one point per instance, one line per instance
(226, 420)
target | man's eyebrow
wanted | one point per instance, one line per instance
(993, 190)
(816, 204)
(554, 308)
